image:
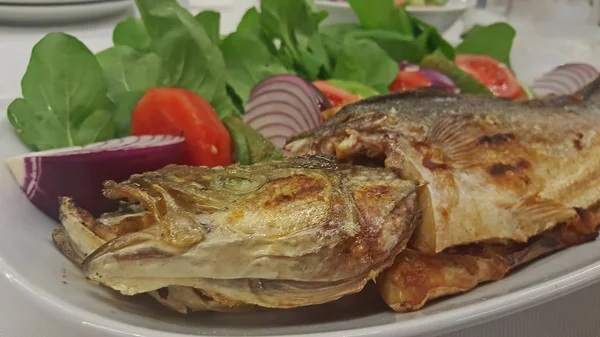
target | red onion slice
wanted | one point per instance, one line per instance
(565, 79)
(79, 172)
(436, 78)
(440, 80)
(283, 105)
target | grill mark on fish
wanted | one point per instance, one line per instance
(443, 212)
(500, 169)
(300, 188)
(577, 141)
(496, 139)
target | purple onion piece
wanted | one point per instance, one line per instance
(79, 172)
(283, 105)
(565, 79)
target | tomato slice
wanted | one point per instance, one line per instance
(409, 80)
(493, 74)
(175, 111)
(335, 95)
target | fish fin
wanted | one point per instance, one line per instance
(63, 242)
(534, 212)
(457, 137)
(383, 103)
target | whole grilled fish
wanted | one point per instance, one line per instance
(495, 170)
(293, 233)
(505, 182)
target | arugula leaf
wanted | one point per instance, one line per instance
(464, 81)
(128, 75)
(332, 37)
(24, 123)
(280, 18)
(248, 62)
(383, 15)
(355, 88)
(434, 43)
(63, 88)
(128, 70)
(338, 30)
(494, 40)
(397, 46)
(430, 39)
(250, 146)
(211, 21)
(313, 57)
(132, 32)
(99, 126)
(465, 34)
(295, 24)
(238, 139)
(122, 109)
(250, 22)
(363, 61)
(189, 57)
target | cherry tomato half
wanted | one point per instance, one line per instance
(493, 74)
(176, 111)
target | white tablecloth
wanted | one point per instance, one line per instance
(572, 315)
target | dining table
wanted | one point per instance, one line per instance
(575, 314)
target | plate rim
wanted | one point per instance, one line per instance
(65, 5)
(53, 3)
(449, 320)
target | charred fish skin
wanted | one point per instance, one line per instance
(494, 169)
(298, 232)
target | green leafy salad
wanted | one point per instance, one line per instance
(73, 97)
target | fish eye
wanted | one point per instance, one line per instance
(239, 184)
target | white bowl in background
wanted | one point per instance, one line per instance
(47, 2)
(61, 13)
(441, 17)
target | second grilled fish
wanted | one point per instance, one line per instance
(496, 171)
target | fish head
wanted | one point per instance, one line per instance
(303, 219)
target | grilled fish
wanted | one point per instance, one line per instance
(417, 278)
(505, 182)
(292, 233)
(495, 170)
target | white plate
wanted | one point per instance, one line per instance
(34, 268)
(61, 13)
(441, 17)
